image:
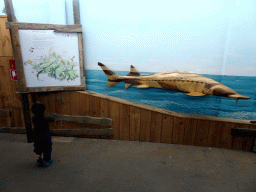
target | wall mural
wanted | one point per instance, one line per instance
(179, 91)
(208, 45)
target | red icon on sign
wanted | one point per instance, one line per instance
(13, 70)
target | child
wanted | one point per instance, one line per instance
(42, 135)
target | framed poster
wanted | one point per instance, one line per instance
(48, 57)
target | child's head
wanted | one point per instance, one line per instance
(38, 108)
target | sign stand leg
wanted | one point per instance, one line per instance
(24, 96)
(26, 115)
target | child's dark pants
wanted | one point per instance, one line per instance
(43, 144)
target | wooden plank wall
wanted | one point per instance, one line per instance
(137, 122)
(9, 100)
(131, 121)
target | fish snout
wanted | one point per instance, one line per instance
(238, 96)
(227, 92)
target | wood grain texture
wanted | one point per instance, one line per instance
(79, 132)
(178, 130)
(242, 140)
(58, 108)
(21, 81)
(17, 119)
(104, 108)
(66, 108)
(105, 112)
(253, 126)
(76, 11)
(190, 131)
(167, 128)
(34, 26)
(247, 142)
(145, 124)
(115, 116)
(167, 112)
(124, 122)
(81, 60)
(10, 11)
(134, 123)
(5, 39)
(3, 121)
(52, 88)
(75, 106)
(238, 143)
(214, 133)
(1, 103)
(5, 113)
(81, 119)
(5, 82)
(51, 108)
(202, 132)
(156, 127)
(94, 109)
(226, 138)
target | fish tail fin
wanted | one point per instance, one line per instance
(113, 78)
(133, 72)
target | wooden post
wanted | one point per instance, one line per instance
(76, 11)
(9, 11)
(24, 96)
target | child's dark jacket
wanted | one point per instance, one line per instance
(41, 124)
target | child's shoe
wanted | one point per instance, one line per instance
(40, 163)
(47, 164)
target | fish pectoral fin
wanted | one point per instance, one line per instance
(196, 94)
(142, 86)
(109, 84)
(127, 85)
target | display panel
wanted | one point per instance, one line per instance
(50, 58)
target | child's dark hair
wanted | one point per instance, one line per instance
(38, 108)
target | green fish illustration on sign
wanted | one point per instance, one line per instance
(56, 67)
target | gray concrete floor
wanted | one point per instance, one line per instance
(98, 165)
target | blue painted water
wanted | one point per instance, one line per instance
(179, 102)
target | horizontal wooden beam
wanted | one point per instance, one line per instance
(74, 132)
(18, 130)
(62, 132)
(53, 88)
(41, 26)
(81, 119)
(5, 113)
(243, 132)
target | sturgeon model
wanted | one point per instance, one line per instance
(190, 83)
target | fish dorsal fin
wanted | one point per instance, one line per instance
(127, 85)
(133, 72)
(195, 94)
(142, 86)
